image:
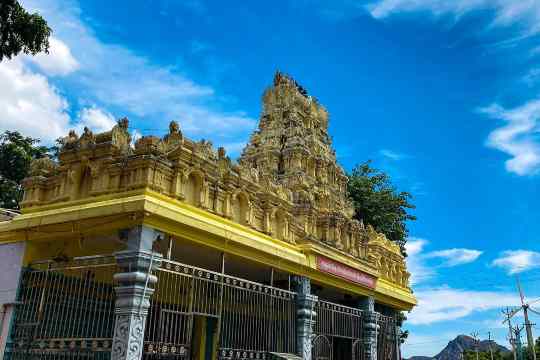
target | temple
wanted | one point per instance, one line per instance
(165, 248)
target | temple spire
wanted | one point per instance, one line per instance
(292, 144)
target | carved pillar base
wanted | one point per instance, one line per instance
(371, 327)
(305, 316)
(135, 287)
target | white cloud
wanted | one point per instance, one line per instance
(234, 148)
(135, 135)
(516, 261)
(417, 259)
(30, 103)
(506, 12)
(454, 257)
(59, 60)
(446, 304)
(532, 77)
(98, 120)
(517, 136)
(116, 77)
(392, 155)
(420, 271)
(34, 107)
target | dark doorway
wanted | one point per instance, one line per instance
(203, 343)
(342, 349)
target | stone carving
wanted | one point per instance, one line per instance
(87, 139)
(69, 142)
(305, 316)
(371, 327)
(148, 145)
(204, 149)
(387, 256)
(128, 332)
(42, 167)
(120, 137)
(135, 285)
(288, 164)
(173, 139)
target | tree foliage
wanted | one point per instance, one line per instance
(21, 31)
(16, 153)
(485, 355)
(378, 203)
(403, 334)
(526, 353)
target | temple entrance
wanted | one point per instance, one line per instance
(196, 313)
(204, 330)
(321, 348)
(338, 331)
(342, 348)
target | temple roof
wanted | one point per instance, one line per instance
(287, 183)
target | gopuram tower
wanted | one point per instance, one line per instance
(292, 147)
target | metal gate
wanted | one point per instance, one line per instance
(247, 319)
(338, 328)
(358, 350)
(387, 338)
(65, 310)
(321, 348)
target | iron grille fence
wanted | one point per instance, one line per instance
(387, 338)
(337, 320)
(65, 311)
(338, 331)
(249, 319)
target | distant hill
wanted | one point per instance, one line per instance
(455, 348)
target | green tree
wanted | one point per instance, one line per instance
(403, 334)
(484, 355)
(16, 153)
(21, 31)
(378, 203)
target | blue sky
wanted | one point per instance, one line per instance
(442, 94)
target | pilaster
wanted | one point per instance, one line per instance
(135, 287)
(371, 327)
(305, 316)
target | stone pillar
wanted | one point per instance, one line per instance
(305, 316)
(11, 267)
(371, 328)
(135, 286)
(397, 333)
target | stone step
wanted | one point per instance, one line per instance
(283, 356)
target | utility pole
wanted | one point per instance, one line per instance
(489, 344)
(517, 332)
(528, 325)
(474, 335)
(508, 314)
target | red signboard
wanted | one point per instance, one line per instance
(345, 272)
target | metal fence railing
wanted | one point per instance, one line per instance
(65, 310)
(338, 332)
(387, 338)
(245, 318)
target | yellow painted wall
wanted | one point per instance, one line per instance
(74, 228)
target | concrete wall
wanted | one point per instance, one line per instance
(11, 259)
